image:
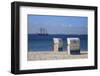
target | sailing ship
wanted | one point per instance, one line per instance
(43, 31)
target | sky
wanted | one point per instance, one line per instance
(57, 24)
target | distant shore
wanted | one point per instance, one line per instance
(51, 55)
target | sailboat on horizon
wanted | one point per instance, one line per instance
(42, 31)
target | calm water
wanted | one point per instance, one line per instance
(45, 42)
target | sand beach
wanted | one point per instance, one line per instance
(53, 55)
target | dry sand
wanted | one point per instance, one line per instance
(54, 55)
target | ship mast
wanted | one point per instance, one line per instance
(43, 31)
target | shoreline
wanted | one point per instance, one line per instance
(52, 55)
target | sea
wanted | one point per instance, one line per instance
(45, 42)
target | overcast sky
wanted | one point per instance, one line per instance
(58, 24)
